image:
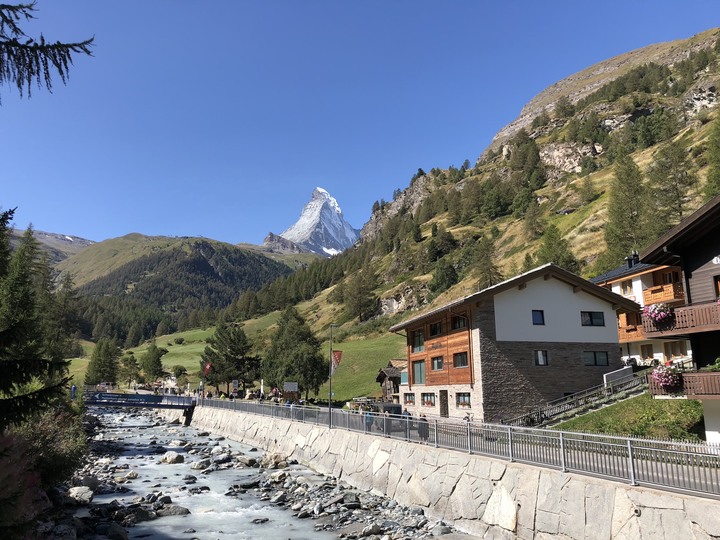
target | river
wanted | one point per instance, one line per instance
(134, 443)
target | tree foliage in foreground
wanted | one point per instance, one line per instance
(229, 353)
(35, 325)
(26, 62)
(294, 355)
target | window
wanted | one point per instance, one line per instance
(595, 358)
(404, 377)
(675, 349)
(538, 317)
(671, 277)
(428, 399)
(462, 400)
(437, 363)
(435, 329)
(418, 344)
(541, 358)
(458, 322)
(418, 372)
(592, 318)
(409, 399)
(460, 359)
(646, 351)
(626, 287)
(716, 282)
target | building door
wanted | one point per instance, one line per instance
(444, 403)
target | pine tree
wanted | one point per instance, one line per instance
(555, 249)
(671, 175)
(444, 277)
(359, 295)
(712, 187)
(27, 63)
(229, 354)
(294, 355)
(629, 227)
(31, 341)
(488, 270)
(151, 362)
(103, 365)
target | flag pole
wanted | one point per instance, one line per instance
(330, 395)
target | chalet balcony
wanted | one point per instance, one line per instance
(672, 292)
(685, 320)
(694, 385)
(629, 333)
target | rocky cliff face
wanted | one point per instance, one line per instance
(583, 83)
(278, 244)
(410, 199)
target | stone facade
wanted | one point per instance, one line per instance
(486, 497)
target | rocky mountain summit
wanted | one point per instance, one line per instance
(321, 228)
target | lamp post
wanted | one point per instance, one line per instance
(330, 393)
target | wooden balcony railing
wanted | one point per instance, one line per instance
(694, 385)
(672, 292)
(630, 333)
(685, 320)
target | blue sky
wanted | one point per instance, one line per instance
(218, 119)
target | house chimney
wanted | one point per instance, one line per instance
(633, 259)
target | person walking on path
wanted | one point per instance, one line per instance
(423, 429)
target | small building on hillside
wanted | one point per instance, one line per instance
(657, 287)
(501, 352)
(389, 379)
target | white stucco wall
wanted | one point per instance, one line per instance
(711, 412)
(562, 307)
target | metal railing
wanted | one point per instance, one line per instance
(590, 397)
(675, 466)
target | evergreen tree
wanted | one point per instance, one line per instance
(151, 362)
(229, 354)
(629, 226)
(103, 365)
(555, 249)
(444, 277)
(294, 355)
(671, 175)
(31, 342)
(488, 270)
(531, 221)
(359, 294)
(128, 369)
(712, 187)
(27, 63)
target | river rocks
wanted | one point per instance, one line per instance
(200, 465)
(81, 494)
(172, 457)
(172, 510)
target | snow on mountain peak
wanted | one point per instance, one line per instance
(321, 227)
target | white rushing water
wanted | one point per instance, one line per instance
(212, 513)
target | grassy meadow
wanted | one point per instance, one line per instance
(355, 377)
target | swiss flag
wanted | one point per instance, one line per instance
(208, 366)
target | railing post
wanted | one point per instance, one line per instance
(469, 438)
(631, 464)
(562, 453)
(435, 435)
(510, 444)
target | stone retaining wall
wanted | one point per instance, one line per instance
(486, 497)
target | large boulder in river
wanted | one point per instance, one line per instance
(201, 464)
(172, 510)
(172, 457)
(274, 461)
(81, 494)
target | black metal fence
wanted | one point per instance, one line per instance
(675, 466)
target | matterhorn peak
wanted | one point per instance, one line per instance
(322, 228)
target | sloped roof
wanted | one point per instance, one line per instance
(665, 249)
(623, 271)
(547, 270)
